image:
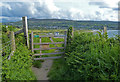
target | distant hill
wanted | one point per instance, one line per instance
(33, 19)
(64, 24)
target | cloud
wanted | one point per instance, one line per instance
(110, 4)
(9, 19)
(42, 9)
(108, 9)
(47, 9)
(17, 9)
(97, 3)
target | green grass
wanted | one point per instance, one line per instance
(58, 70)
(37, 63)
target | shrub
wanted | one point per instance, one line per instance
(94, 57)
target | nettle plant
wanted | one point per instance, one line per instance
(94, 57)
(18, 67)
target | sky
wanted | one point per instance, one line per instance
(95, 10)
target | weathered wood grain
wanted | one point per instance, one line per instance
(49, 48)
(25, 28)
(49, 53)
(43, 58)
(48, 43)
(32, 41)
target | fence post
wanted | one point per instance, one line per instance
(70, 36)
(65, 39)
(72, 32)
(12, 42)
(105, 29)
(32, 41)
(25, 29)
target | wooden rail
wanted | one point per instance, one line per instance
(45, 36)
(48, 48)
(48, 43)
(47, 58)
(49, 53)
(52, 41)
(51, 36)
(18, 32)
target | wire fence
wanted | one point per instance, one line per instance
(6, 50)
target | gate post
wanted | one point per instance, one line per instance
(25, 29)
(70, 37)
(65, 39)
(105, 29)
(32, 41)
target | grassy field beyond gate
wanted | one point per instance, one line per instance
(46, 40)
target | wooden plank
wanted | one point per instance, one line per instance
(49, 31)
(49, 48)
(48, 43)
(49, 53)
(40, 47)
(25, 28)
(32, 41)
(46, 36)
(59, 35)
(52, 41)
(47, 58)
(18, 32)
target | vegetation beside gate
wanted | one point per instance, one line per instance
(90, 57)
(19, 66)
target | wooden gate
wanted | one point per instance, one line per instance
(45, 46)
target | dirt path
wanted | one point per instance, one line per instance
(41, 73)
